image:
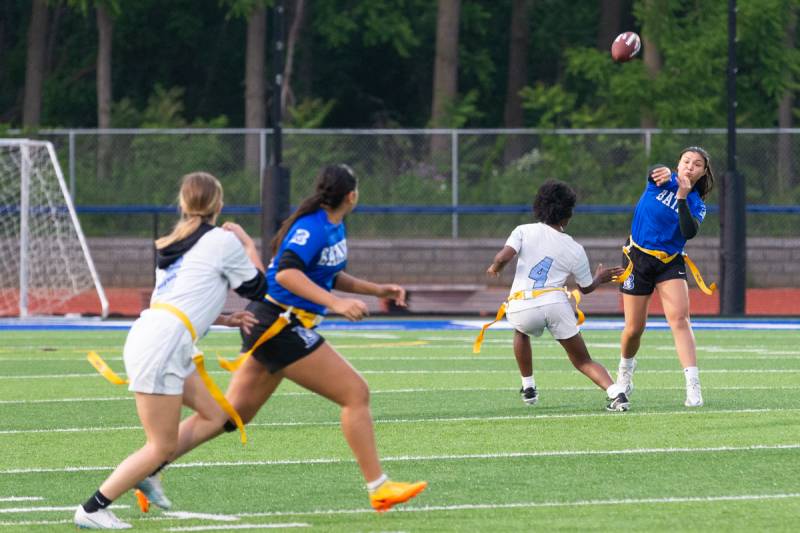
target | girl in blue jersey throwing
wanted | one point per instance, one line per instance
(309, 258)
(669, 213)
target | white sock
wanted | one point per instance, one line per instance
(372, 486)
(691, 373)
(528, 382)
(626, 364)
(614, 390)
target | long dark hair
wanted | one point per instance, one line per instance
(554, 202)
(704, 185)
(331, 187)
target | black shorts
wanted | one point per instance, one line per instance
(292, 343)
(649, 271)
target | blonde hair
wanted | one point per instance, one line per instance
(200, 200)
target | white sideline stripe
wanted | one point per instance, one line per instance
(238, 526)
(404, 458)
(408, 391)
(432, 420)
(21, 499)
(482, 506)
(185, 515)
(523, 505)
(15, 510)
(480, 371)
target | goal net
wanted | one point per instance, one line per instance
(45, 266)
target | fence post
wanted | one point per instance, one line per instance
(262, 151)
(648, 143)
(454, 180)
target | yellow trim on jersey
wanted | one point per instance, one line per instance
(309, 320)
(664, 257)
(528, 295)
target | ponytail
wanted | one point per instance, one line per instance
(200, 199)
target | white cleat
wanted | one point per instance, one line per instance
(625, 378)
(100, 519)
(151, 487)
(694, 397)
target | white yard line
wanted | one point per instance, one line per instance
(415, 458)
(683, 412)
(19, 510)
(478, 371)
(409, 391)
(411, 508)
(239, 526)
(21, 499)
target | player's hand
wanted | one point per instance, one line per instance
(604, 275)
(661, 175)
(240, 233)
(393, 292)
(242, 319)
(492, 271)
(350, 308)
(684, 187)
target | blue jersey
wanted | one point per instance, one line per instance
(323, 248)
(655, 221)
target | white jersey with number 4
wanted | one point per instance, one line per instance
(545, 258)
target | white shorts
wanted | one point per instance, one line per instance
(158, 354)
(559, 318)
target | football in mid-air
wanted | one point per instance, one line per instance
(625, 47)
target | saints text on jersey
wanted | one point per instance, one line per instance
(334, 255)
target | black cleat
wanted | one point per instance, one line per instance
(530, 396)
(620, 403)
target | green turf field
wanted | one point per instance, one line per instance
(443, 415)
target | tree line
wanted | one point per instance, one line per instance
(393, 63)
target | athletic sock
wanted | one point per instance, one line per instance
(528, 382)
(626, 363)
(614, 390)
(96, 502)
(159, 469)
(372, 486)
(691, 373)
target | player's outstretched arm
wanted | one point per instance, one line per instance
(500, 261)
(296, 281)
(602, 275)
(347, 283)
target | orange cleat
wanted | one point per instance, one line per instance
(141, 499)
(390, 493)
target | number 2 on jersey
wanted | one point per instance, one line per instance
(539, 272)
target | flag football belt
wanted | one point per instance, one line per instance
(306, 318)
(101, 366)
(528, 295)
(665, 258)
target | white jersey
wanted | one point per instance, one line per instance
(198, 282)
(545, 258)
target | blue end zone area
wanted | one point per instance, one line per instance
(66, 324)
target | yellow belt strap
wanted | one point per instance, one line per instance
(527, 295)
(105, 371)
(180, 315)
(309, 320)
(217, 394)
(664, 257)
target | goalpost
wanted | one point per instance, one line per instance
(44, 260)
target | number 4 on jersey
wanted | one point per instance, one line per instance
(539, 272)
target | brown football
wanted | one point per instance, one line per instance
(625, 47)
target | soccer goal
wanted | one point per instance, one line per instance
(45, 265)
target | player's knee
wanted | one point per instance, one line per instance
(633, 331)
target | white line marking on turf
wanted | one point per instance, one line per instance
(185, 515)
(519, 505)
(11, 510)
(410, 391)
(461, 457)
(21, 499)
(238, 526)
(480, 506)
(683, 412)
(479, 371)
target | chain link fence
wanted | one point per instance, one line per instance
(421, 183)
